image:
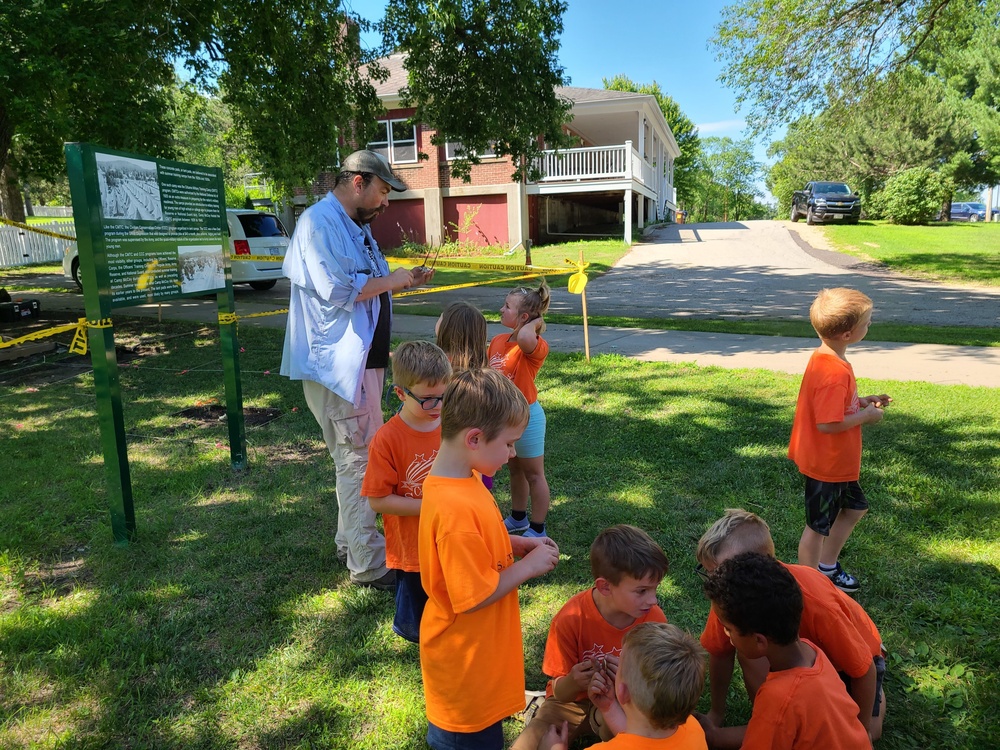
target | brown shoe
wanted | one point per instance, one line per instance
(385, 583)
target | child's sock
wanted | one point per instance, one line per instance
(538, 527)
(827, 568)
(519, 515)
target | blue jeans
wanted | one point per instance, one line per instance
(490, 738)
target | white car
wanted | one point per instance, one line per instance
(251, 232)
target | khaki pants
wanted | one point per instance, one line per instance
(347, 432)
(577, 715)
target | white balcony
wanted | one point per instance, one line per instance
(596, 163)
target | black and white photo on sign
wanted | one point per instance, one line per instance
(202, 268)
(130, 188)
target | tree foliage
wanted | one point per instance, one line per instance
(788, 57)
(484, 72)
(685, 133)
(733, 168)
(913, 196)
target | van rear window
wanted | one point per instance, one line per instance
(261, 225)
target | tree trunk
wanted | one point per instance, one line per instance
(11, 200)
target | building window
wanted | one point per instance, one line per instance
(396, 140)
(451, 149)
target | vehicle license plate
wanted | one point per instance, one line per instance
(838, 216)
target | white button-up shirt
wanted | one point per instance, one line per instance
(328, 333)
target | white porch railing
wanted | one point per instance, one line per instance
(596, 163)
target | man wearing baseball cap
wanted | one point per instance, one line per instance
(337, 340)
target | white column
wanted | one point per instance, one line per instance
(642, 136)
(628, 216)
(642, 211)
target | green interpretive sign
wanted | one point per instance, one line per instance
(148, 230)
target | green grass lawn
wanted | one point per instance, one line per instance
(952, 251)
(230, 623)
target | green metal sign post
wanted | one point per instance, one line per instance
(148, 230)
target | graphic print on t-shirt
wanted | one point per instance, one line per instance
(596, 652)
(413, 481)
(497, 362)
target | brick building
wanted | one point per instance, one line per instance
(620, 176)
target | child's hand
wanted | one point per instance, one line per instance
(521, 546)
(582, 673)
(557, 738)
(542, 559)
(882, 400)
(871, 414)
(602, 691)
(611, 667)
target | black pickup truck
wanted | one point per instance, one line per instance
(826, 201)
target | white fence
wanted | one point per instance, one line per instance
(20, 247)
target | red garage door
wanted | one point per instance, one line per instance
(479, 219)
(402, 220)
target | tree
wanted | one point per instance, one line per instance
(733, 168)
(685, 133)
(484, 72)
(789, 57)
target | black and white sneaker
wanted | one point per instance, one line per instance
(843, 580)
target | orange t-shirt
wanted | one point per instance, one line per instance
(579, 631)
(689, 736)
(828, 393)
(830, 618)
(472, 662)
(399, 459)
(507, 357)
(805, 708)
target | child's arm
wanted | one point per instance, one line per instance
(869, 415)
(863, 691)
(521, 546)
(720, 674)
(721, 738)
(602, 694)
(395, 505)
(527, 335)
(539, 561)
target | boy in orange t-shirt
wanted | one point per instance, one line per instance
(399, 459)
(649, 702)
(830, 619)
(803, 704)
(826, 432)
(586, 634)
(471, 653)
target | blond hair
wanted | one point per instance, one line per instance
(535, 302)
(839, 310)
(419, 362)
(663, 668)
(736, 532)
(625, 550)
(484, 399)
(462, 334)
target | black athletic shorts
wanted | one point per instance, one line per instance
(825, 499)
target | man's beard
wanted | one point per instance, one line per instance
(367, 215)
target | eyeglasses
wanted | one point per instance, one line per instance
(426, 404)
(701, 571)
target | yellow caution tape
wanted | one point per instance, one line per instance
(432, 289)
(37, 335)
(102, 323)
(263, 314)
(47, 233)
(79, 343)
(259, 258)
(578, 281)
(475, 265)
(226, 319)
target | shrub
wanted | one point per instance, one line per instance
(913, 196)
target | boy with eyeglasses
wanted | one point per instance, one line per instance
(399, 459)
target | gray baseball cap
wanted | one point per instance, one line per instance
(372, 163)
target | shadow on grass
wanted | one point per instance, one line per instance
(231, 623)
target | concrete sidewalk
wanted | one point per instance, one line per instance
(942, 365)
